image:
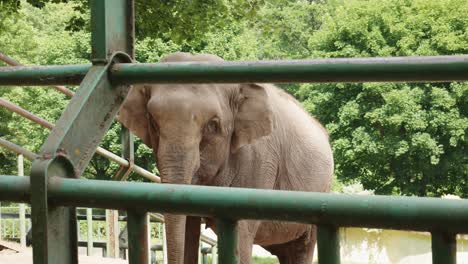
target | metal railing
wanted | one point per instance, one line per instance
(14, 221)
(392, 69)
(442, 217)
(53, 193)
(103, 152)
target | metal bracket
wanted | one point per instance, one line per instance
(66, 153)
(124, 171)
(126, 138)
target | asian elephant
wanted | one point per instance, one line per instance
(239, 135)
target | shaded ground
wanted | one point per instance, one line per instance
(13, 253)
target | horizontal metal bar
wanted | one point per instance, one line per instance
(406, 213)
(17, 149)
(100, 151)
(392, 69)
(102, 244)
(81, 217)
(206, 250)
(24, 113)
(154, 218)
(444, 68)
(9, 60)
(15, 188)
(12, 62)
(43, 75)
(44, 123)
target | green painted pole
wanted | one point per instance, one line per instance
(204, 259)
(328, 244)
(377, 211)
(394, 69)
(444, 248)
(43, 75)
(138, 241)
(66, 153)
(406, 213)
(15, 190)
(227, 241)
(54, 227)
(113, 28)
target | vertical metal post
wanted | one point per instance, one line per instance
(89, 233)
(126, 138)
(227, 242)
(138, 242)
(66, 153)
(201, 256)
(13, 228)
(204, 259)
(444, 248)
(53, 227)
(22, 210)
(164, 244)
(112, 228)
(214, 255)
(328, 246)
(1, 221)
(113, 27)
(78, 230)
(153, 256)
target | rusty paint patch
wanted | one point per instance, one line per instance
(77, 152)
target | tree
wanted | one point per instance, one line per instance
(395, 138)
(40, 37)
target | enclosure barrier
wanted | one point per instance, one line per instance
(443, 217)
(53, 193)
(396, 69)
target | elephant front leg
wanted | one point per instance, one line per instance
(192, 239)
(247, 231)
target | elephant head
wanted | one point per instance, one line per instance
(193, 129)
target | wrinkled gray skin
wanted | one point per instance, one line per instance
(239, 135)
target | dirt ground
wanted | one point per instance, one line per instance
(21, 255)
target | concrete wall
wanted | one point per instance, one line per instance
(389, 246)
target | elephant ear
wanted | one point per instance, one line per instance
(254, 117)
(134, 115)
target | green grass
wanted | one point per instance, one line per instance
(264, 260)
(257, 260)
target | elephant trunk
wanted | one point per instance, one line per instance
(177, 164)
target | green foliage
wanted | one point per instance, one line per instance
(187, 22)
(285, 28)
(395, 138)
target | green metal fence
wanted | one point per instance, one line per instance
(54, 190)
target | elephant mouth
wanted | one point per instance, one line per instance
(196, 179)
(202, 177)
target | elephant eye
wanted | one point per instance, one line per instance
(212, 126)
